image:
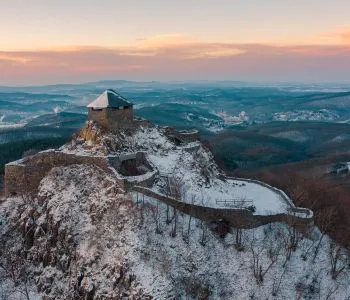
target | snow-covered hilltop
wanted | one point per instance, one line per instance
(145, 213)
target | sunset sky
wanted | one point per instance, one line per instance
(44, 41)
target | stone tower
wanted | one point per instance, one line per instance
(111, 111)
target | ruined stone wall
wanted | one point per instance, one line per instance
(14, 179)
(146, 180)
(138, 122)
(137, 158)
(25, 176)
(189, 135)
(185, 136)
(237, 218)
(241, 218)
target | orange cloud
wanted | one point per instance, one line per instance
(340, 36)
(184, 47)
(165, 41)
(177, 59)
(346, 36)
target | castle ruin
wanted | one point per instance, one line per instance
(133, 171)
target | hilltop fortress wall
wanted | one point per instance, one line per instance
(237, 218)
(133, 172)
(24, 176)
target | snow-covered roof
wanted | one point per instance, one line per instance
(109, 98)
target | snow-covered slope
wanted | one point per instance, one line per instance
(82, 238)
(191, 165)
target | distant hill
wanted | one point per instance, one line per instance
(62, 119)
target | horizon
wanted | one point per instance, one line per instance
(189, 81)
(270, 41)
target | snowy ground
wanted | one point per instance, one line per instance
(236, 193)
(197, 258)
(191, 165)
(115, 237)
(186, 166)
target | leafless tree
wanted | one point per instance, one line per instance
(238, 230)
(338, 259)
(154, 209)
(257, 250)
(175, 190)
(193, 201)
(174, 223)
(325, 220)
(331, 291)
(167, 214)
(203, 225)
(204, 233)
(290, 237)
(276, 286)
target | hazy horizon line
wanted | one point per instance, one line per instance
(243, 81)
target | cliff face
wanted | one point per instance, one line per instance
(81, 236)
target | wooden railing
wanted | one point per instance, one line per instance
(237, 203)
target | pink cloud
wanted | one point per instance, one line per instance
(180, 59)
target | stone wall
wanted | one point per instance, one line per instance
(112, 119)
(24, 176)
(189, 135)
(140, 122)
(138, 157)
(183, 136)
(238, 218)
(146, 180)
(99, 116)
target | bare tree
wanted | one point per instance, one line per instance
(193, 201)
(175, 190)
(202, 223)
(276, 286)
(174, 223)
(204, 231)
(331, 290)
(291, 237)
(257, 250)
(338, 259)
(154, 209)
(325, 221)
